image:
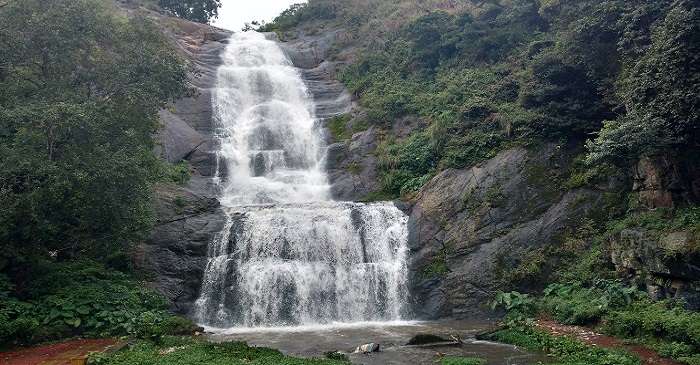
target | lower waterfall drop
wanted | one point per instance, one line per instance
(289, 255)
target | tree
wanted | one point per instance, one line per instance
(660, 92)
(80, 89)
(196, 10)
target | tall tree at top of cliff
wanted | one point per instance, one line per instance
(196, 10)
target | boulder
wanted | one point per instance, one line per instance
(367, 348)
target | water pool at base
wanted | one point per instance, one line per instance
(314, 341)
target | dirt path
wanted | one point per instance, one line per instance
(55, 354)
(648, 356)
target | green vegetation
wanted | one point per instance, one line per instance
(338, 128)
(82, 298)
(617, 310)
(187, 351)
(673, 331)
(178, 173)
(487, 74)
(80, 90)
(456, 360)
(196, 10)
(564, 350)
(79, 105)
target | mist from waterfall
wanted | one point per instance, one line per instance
(289, 255)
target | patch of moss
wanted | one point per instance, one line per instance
(494, 196)
(354, 168)
(438, 268)
(180, 204)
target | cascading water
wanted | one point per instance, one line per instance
(288, 255)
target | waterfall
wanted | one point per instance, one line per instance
(289, 255)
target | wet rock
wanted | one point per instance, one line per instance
(177, 139)
(424, 339)
(367, 348)
(176, 252)
(352, 167)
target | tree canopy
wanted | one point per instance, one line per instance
(196, 10)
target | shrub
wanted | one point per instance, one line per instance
(338, 127)
(85, 298)
(178, 173)
(154, 324)
(575, 304)
(645, 319)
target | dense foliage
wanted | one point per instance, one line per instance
(80, 89)
(486, 74)
(196, 10)
(83, 297)
(616, 309)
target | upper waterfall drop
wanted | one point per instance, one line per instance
(270, 142)
(288, 254)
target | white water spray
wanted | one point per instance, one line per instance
(288, 255)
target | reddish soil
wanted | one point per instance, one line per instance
(586, 335)
(55, 354)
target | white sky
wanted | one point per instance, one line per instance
(233, 14)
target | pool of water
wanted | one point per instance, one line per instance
(314, 341)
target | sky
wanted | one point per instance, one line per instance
(235, 13)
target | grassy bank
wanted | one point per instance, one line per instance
(187, 350)
(564, 350)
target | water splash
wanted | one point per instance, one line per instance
(288, 255)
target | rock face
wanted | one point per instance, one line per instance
(187, 216)
(176, 253)
(659, 262)
(468, 223)
(351, 164)
(663, 182)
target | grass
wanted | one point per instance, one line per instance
(457, 360)
(337, 126)
(191, 351)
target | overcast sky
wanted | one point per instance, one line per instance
(235, 13)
